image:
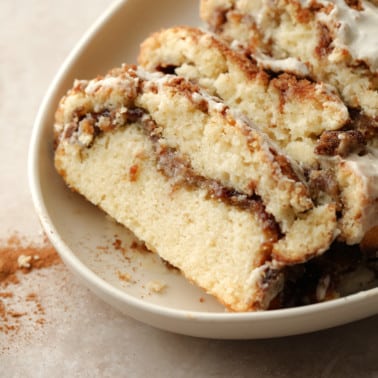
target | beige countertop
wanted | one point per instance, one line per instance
(67, 331)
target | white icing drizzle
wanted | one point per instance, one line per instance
(366, 167)
(152, 76)
(291, 64)
(108, 82)
(355, 31)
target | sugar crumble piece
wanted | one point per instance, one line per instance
(23, 261)
(156, 286)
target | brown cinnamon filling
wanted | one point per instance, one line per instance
(355, 4)
(340, 143)
(324, 47)
(95, 123)
(322, 183)
(367, 126)
(353, 138)
(175, 166)
(218, 19)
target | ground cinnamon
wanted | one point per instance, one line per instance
(14, 250)
(17, 258)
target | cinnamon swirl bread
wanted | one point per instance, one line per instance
(197, 182)
(335, 144)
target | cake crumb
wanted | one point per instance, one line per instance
(125, 277)
(156, 286)
(140, 246)
(23, 261)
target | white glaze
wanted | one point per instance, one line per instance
(292, 65)
(366, 167)
(355, 31)
(104, 83)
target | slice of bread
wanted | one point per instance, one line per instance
(292, 112)
(331, 41)
(198, 184)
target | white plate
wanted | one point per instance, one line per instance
(84, 236)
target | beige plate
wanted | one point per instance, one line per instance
(84, 236)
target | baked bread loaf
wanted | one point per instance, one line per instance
(193, 179)
(335, 145)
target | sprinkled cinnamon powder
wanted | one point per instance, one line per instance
(140, 246)
(17, 258)
(14, 251)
